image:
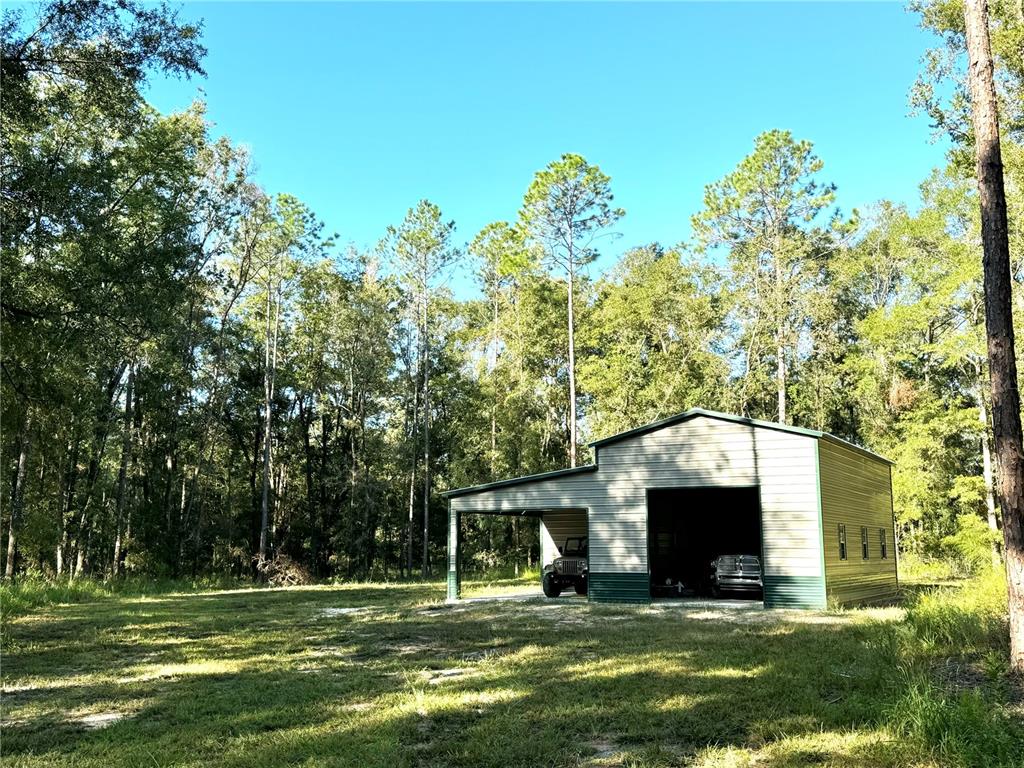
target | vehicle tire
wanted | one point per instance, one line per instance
(550, 588)
(581, 587)
(716, 591)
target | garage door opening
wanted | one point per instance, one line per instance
(564, 538)
(703, 541)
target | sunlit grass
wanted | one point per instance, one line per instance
(388, 675)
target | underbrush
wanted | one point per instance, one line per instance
(969, 618)
(916, 569)
(503, 574)
(29, 593)
(954, 693)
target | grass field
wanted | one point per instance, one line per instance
(378, 675)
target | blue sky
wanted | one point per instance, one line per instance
(362, 109)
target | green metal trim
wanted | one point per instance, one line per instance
(821, 515)
(619, 587)
(519, 481)
(895, 545)
(454, 588)
(794, 592)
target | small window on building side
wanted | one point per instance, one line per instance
(882, 547)
(842, 541)
(864, 542)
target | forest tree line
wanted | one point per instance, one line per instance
(199, 377)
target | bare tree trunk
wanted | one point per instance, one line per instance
(780, 381)
(83, 535)
(270, 362)
(412, 481)
(426, 435)
(572, 361)
(122, 474)
(68, 504)
(494, 402)
(780, 349)
(18, 493)
(322, 515)
(1002, 365)
(986, 467)
(265, 491)
(306, 421)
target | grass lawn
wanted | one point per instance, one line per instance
(373, 675)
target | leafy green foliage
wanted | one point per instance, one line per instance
(139, 255)
(763, 216)
(654, 340)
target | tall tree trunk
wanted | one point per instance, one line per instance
(572, 359)
(254, 498)
(986, 466)
(179, 534)
(1002, 365)
(305, 419)
(68, 504)
(780, 348)
(412, 479)
(494, 402)
(270, 365)
(18, 492)
(780, 381)
(265, 490)
(99, 446)
(322, 516)
(426, 436)
(122, 474)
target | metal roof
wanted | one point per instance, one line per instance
(520, 480)
(696, 412)
(653, 427)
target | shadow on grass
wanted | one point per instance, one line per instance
(378, 677)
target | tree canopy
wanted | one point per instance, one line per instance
(197, 378)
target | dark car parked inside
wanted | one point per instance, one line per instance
(735, 573)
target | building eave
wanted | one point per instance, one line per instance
(541, 477)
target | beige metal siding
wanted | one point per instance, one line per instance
(856, 491)
(556, 527)
(700, 452)
(706, 452)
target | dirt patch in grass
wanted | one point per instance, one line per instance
(100, 719)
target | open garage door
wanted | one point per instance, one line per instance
(556, 527)
(704, 541)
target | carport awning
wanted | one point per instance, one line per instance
(534, 513)
(538, 478)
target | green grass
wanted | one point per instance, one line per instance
(387, 675)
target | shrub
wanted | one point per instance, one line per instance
(970, 548)
(968, 619)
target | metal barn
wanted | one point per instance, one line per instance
(818, 508)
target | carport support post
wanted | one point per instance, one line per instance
(454, 555)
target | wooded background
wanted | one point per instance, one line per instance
(197, 377)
